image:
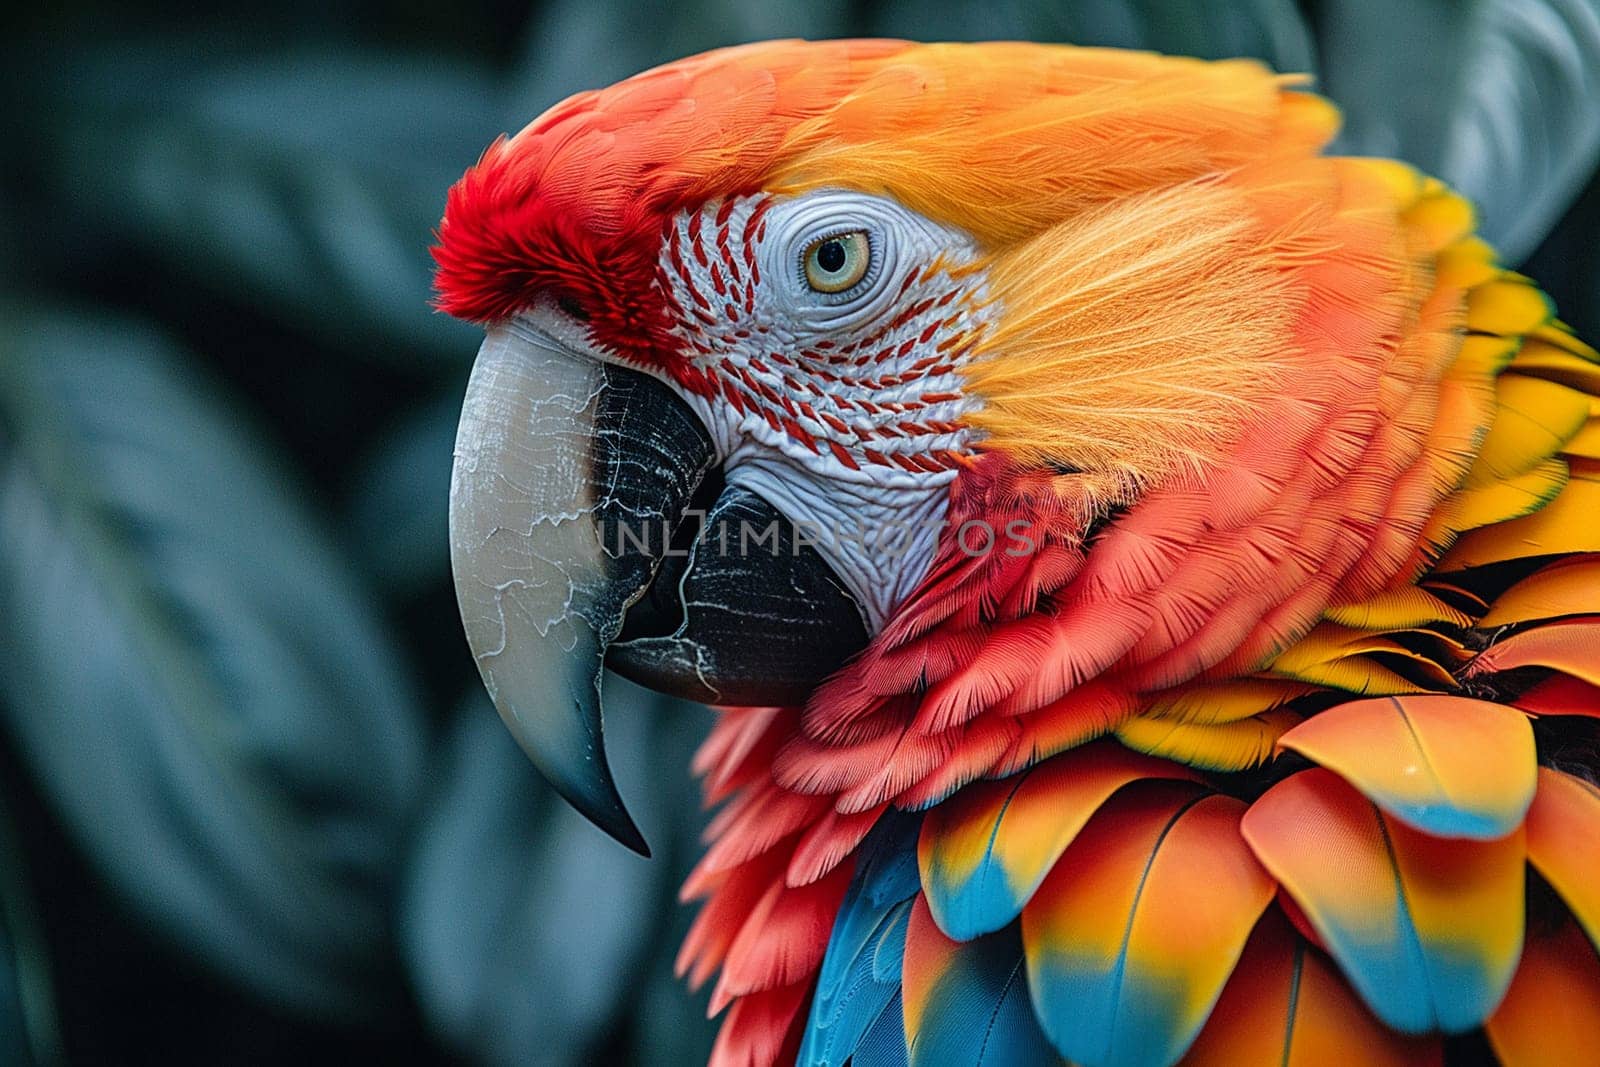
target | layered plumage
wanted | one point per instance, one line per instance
(1278, 747)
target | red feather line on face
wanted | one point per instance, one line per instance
(577, 203)
(869, 398)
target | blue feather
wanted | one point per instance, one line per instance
(860, 974)
(891, 948)
(979, 1013)
(887, 863)
(885, 1044)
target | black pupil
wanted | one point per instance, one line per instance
(831, 256)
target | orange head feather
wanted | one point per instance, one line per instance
(1196, 313)
(1073, 169)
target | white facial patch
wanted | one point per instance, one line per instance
(844, 410)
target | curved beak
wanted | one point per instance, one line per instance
(572, 483)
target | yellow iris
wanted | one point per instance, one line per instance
(834, 264)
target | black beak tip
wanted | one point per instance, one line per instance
(585, 782)
(598, 801)
(614, 819)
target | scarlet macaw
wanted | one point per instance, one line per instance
(1151, 569)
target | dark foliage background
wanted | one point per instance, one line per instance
(253, 805)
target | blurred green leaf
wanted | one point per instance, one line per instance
(397, 520)
(1567, 264)
(190, 677)
(1497, 97)
(587, 44)
(28, 1028)
(307, 183)
(1270, 30)
(527, 928)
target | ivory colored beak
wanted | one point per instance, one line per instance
(544, 463)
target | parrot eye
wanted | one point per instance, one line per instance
(837, 261)
(834, 264)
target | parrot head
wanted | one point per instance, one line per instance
(795, 350)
